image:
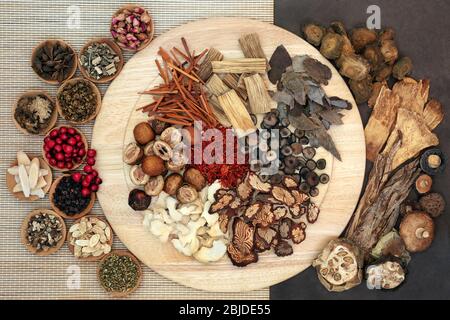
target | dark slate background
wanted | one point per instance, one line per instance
(423, 33)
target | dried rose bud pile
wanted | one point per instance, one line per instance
(131, 28)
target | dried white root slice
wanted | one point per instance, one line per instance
(17, 188)
(37, 192)
(213, 254)
(33, 174)
(41, 183)
(43, 172)
(74, 228)
(23, 159)
(13, 170)
(23, 176)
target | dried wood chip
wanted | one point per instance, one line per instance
(205, 69)
(317, 70)
(236, 112)
(251, 46)
(244, 65)
(258, 97)
(413, 94)
(433, 114)
(216, 86)
(232, 81)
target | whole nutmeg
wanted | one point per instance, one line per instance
(138, 200)
(195, 178)
(153, 166)
(173, 183)
(143, 133)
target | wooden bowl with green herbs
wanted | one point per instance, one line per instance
(89, 59)
(25, 234)
(54, 61)
(78, 100)
(29, 109)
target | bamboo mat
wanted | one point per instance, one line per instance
(23, 24)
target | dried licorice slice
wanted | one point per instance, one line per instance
(313, 212)
(298, 233)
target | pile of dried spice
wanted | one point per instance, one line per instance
(118, 273)
(44, 231)
(54, 60)
(229, 174)
(33, 113)
(68, 196)
(78, 100)
(99, 60)
(181, 99)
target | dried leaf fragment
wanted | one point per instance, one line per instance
(279, 61)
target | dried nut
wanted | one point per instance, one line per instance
(132, 154)
(423, 183)
(143, 133)
(138, 200)
(174, 167)
(153, 166)
(195, 178)
(173, 183)
(137, 176)
(154, 186)
(187, 194)
(171, 136)
(148, 149)
(162, 150)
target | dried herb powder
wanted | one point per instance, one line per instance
(68, 196)
(53, 61)
(44, 231)
(99, 60)
(118, 273)
(33, 113)
(78, 101)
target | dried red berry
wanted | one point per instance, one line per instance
(91, 153)
(87, 169)
(76, 176)
(85, 192)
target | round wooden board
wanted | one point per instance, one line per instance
(112, 132)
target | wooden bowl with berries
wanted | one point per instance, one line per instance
(64, 148)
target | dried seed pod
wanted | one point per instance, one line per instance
(313, 33)
(387, 273)
(154, 186)
(433, 204)
(331, 47)
(361, 37)
(389, 51)
(321, 164)
(143, 133)
(402, 68)
(354, 67)
(417, 231)
(424, 183)
(195, 178)
(362, 90)
(339, 265)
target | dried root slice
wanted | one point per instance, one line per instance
(298, 233)
(289, 182)
(300, 197)
(284, 228)
(241, 248)
(252, 210)
(244, 190)
(283, 249)
(236, 203)
(313, 212)
(264, 238)
(238, 259)
(339, 266)
(280, 211)
(283, 195)
(299, 210)
(256, 183)
(221, 202)
(433, 114)
(224, 221)
(265, 216)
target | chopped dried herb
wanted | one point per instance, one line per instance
(118, 273)
(33, 113)
(53, 61)
(78, 101)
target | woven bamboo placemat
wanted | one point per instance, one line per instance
(23, 24)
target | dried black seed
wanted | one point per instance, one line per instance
(299, 133)
(309, 152)
(311, 164)
(304, 187)
(304, 140)
(297, 149)
(286, 150)
(264, 177)
(283, 142)
(289, 171)
(324, 178)
(284, 122)
(314, 192)
(312, 179)
(68, 198)
(321, 164)
(304, 172)
(297, 178)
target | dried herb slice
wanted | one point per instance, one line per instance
(289, 182)
(244, 190)
(224, 221)
(221, 203)
(257, 184)
(298, 233)
(284, 228)
(264, 238)
(283, 195)
(280, 211)
(264, 217)
(241, 248)
(252, 210)
(283, 249)
(279, 61)
(313, 212)
(317, 71)
(300, 197)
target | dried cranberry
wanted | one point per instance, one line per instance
(58, 148)
(91, 153)
(71, 131)
(77, 137)
(72, 141)
(63, 137)
(58, 141)
(86, 183)
(59, 156)
(52, 162)
(81, 152)
(50, 143)
(85, 192)
(60, 165)
(94, 173)
(67, 148)
(63, 130)
(47, 148)
(90, 161)
(94, 188)
(87, 169)
(69, 165)
(98, 181)
(76, 176)
(80, 144)
(48, 155)
(54, 133)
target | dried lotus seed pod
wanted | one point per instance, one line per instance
(339, 265)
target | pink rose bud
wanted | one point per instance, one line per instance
(138, 10)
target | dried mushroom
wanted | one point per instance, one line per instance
(241, 248)
(283, 249)
(432, 161)
(417, 231)
(385, 274)
(433, 204)
(339, 265)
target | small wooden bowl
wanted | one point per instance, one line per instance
(11, 182)
(91, 258)
(23, 233)
(94, 89)
(150, 33)
(63, 214)
(53, 118)
(114, 47)
(53, 41)
(115, 294)
(83, 138)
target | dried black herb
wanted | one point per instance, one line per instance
(317, 71)
(54, 61)
(279, 61)
(300, 121)
(78, 101)
(33, 113)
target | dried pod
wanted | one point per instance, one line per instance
(331, 47)
(417, 231)
(163, 150)
(339, 265)
(298, 234)
(138, 200)
(313, 33)
(187, 194)
(424, 183)
(389, 51)
(433, 204)
(362, 90)
(354, 67)
(173, 183)
(154, 186)
(241, 248)
(385, 274)
(132, 154)
(143, 133)
(361, 37)
(195, 178)
(283, 249)
(153, 166)
(137, 176)
(402, 68)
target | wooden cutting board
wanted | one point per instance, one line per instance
(113, 130)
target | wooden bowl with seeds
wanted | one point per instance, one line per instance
(11, 181)
(48, 43)
(61, 108)
(121, 253)
(81, 229)
(63, 214)
(50, 123)
(24, 233)
(118, 65)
